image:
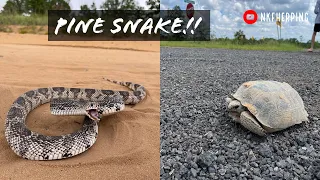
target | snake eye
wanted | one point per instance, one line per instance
(91, 104)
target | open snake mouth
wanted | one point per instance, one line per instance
(93, 114)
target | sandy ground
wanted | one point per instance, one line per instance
(128, 142)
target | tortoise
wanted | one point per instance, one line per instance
(266, 106)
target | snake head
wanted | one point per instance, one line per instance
(104, 107)
(93, 111)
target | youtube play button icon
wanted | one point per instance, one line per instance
(250, 16)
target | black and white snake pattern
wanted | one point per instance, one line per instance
(64, 101)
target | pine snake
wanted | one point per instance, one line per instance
(92, 103)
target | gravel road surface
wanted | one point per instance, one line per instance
(199, 140)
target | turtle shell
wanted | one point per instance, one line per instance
(276, 105)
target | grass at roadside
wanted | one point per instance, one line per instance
(271, 46)
(35, 24)
(36, 20)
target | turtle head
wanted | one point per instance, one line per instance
(234, 107)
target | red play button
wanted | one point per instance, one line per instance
(250, 16)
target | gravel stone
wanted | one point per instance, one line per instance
(194, 172)
(222, 171)
(209, 134)
(282, 164)
(205, 160)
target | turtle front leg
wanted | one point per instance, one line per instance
(249, 122)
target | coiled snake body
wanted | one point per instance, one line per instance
(93, 103)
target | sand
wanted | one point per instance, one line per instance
(128, 142)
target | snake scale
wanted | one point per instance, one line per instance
(92, 103)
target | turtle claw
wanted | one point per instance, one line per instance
(249, 122)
